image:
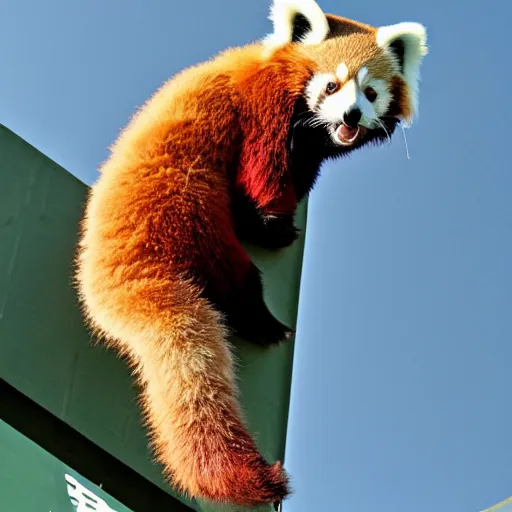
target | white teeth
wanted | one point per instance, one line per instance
(355, 136)
(340, 137)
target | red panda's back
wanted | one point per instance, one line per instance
(164, 182)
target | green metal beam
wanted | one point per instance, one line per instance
(32, 480)
(48, 355)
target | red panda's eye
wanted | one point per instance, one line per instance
(331, 87)
(371, 94)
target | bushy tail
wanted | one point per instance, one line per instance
(179, 347)
(191, 406)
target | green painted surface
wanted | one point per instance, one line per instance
(32, 480)
(46, 352)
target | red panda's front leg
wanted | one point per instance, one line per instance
(270, 231)
(264, 209)
(277, 231)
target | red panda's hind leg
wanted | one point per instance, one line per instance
(246, 312)
(250, 316)
(200, 234)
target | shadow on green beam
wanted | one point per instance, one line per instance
(75, 451)
(46, 352)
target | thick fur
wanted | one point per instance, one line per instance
(159, 259)
(221, 153)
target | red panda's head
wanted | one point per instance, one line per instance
(366, 79)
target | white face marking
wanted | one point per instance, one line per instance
(334, 106)
(316, 88)
(342, 72)
(331, 108)
(381, 104)
(361, 75)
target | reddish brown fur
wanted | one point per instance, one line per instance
(158, 230)
(157, 217)
(401, 102)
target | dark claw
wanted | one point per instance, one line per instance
(289, 335)
(270, 335)
(272, 232)
(280, 231)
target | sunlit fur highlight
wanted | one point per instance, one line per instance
(282, 13)
(166, 179)
(159, 246)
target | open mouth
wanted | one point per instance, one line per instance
(348, 135)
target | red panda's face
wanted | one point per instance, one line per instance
(365, 79)
(351, 100)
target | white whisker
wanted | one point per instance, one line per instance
(315, 121)
(405, 139)
(385, 130)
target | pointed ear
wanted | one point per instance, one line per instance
(296, 21)
(408, 43)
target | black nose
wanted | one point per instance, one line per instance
(352, 117)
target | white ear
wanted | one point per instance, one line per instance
(311, 29)
(408, 42)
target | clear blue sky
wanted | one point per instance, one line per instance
(401, 399)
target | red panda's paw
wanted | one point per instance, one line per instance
(248, 315)
(266, 331)
(277, 232)
(280, 335)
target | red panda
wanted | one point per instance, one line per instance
(221, 154)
